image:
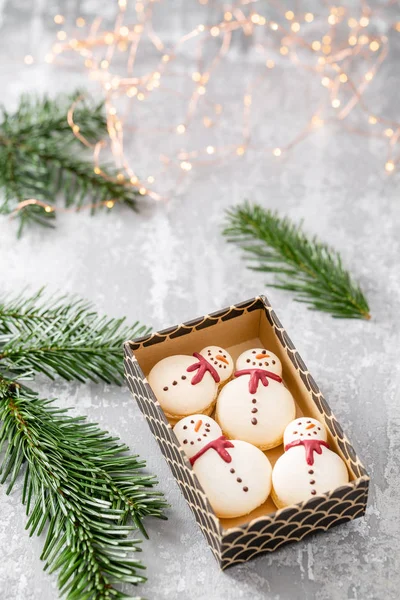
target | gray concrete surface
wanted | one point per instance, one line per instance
(141, 266)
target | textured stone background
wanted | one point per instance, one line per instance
(170, 264)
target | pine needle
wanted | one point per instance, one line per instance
(41, 158)
(305, 266)
(62, 336)
(81, 487)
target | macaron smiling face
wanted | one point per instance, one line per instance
(304, 428)
(259, 358)
(195, 432)
(220, 359)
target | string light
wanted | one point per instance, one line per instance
(389, 166)
(342, 45)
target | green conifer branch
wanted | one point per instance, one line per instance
(305, 266)
(41, 158)
(65, 338)
(81, 487)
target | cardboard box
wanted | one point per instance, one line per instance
(249, 324)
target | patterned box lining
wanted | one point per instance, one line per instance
(266, 532)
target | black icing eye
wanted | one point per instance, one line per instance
(224, 355)
(185, 441)
(192, 422)
(308, 421)
(220, 351)
(264, 352)
(253, 352)
(319, 428)
(248, 360)
(299, 423)
(185, 427)
(294, 432)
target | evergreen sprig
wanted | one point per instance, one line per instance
(41, 158)
(65, 337)
(305, 266)
(81, 486)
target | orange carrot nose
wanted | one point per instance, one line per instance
(222, 358)
(310, 426)
(198, 425)
(261, 356)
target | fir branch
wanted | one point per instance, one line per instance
(41, 157)
(80, 485)
(305, 266)
(65, 337)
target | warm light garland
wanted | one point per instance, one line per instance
(343, 48)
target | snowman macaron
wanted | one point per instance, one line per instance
(185, 384)
(307, 467)
(235, 475)
(256, 406)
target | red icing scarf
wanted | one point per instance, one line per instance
(202, 366)
(219, 445)
(310, 446)
(257, 375)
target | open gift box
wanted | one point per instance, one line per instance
(247, 325)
